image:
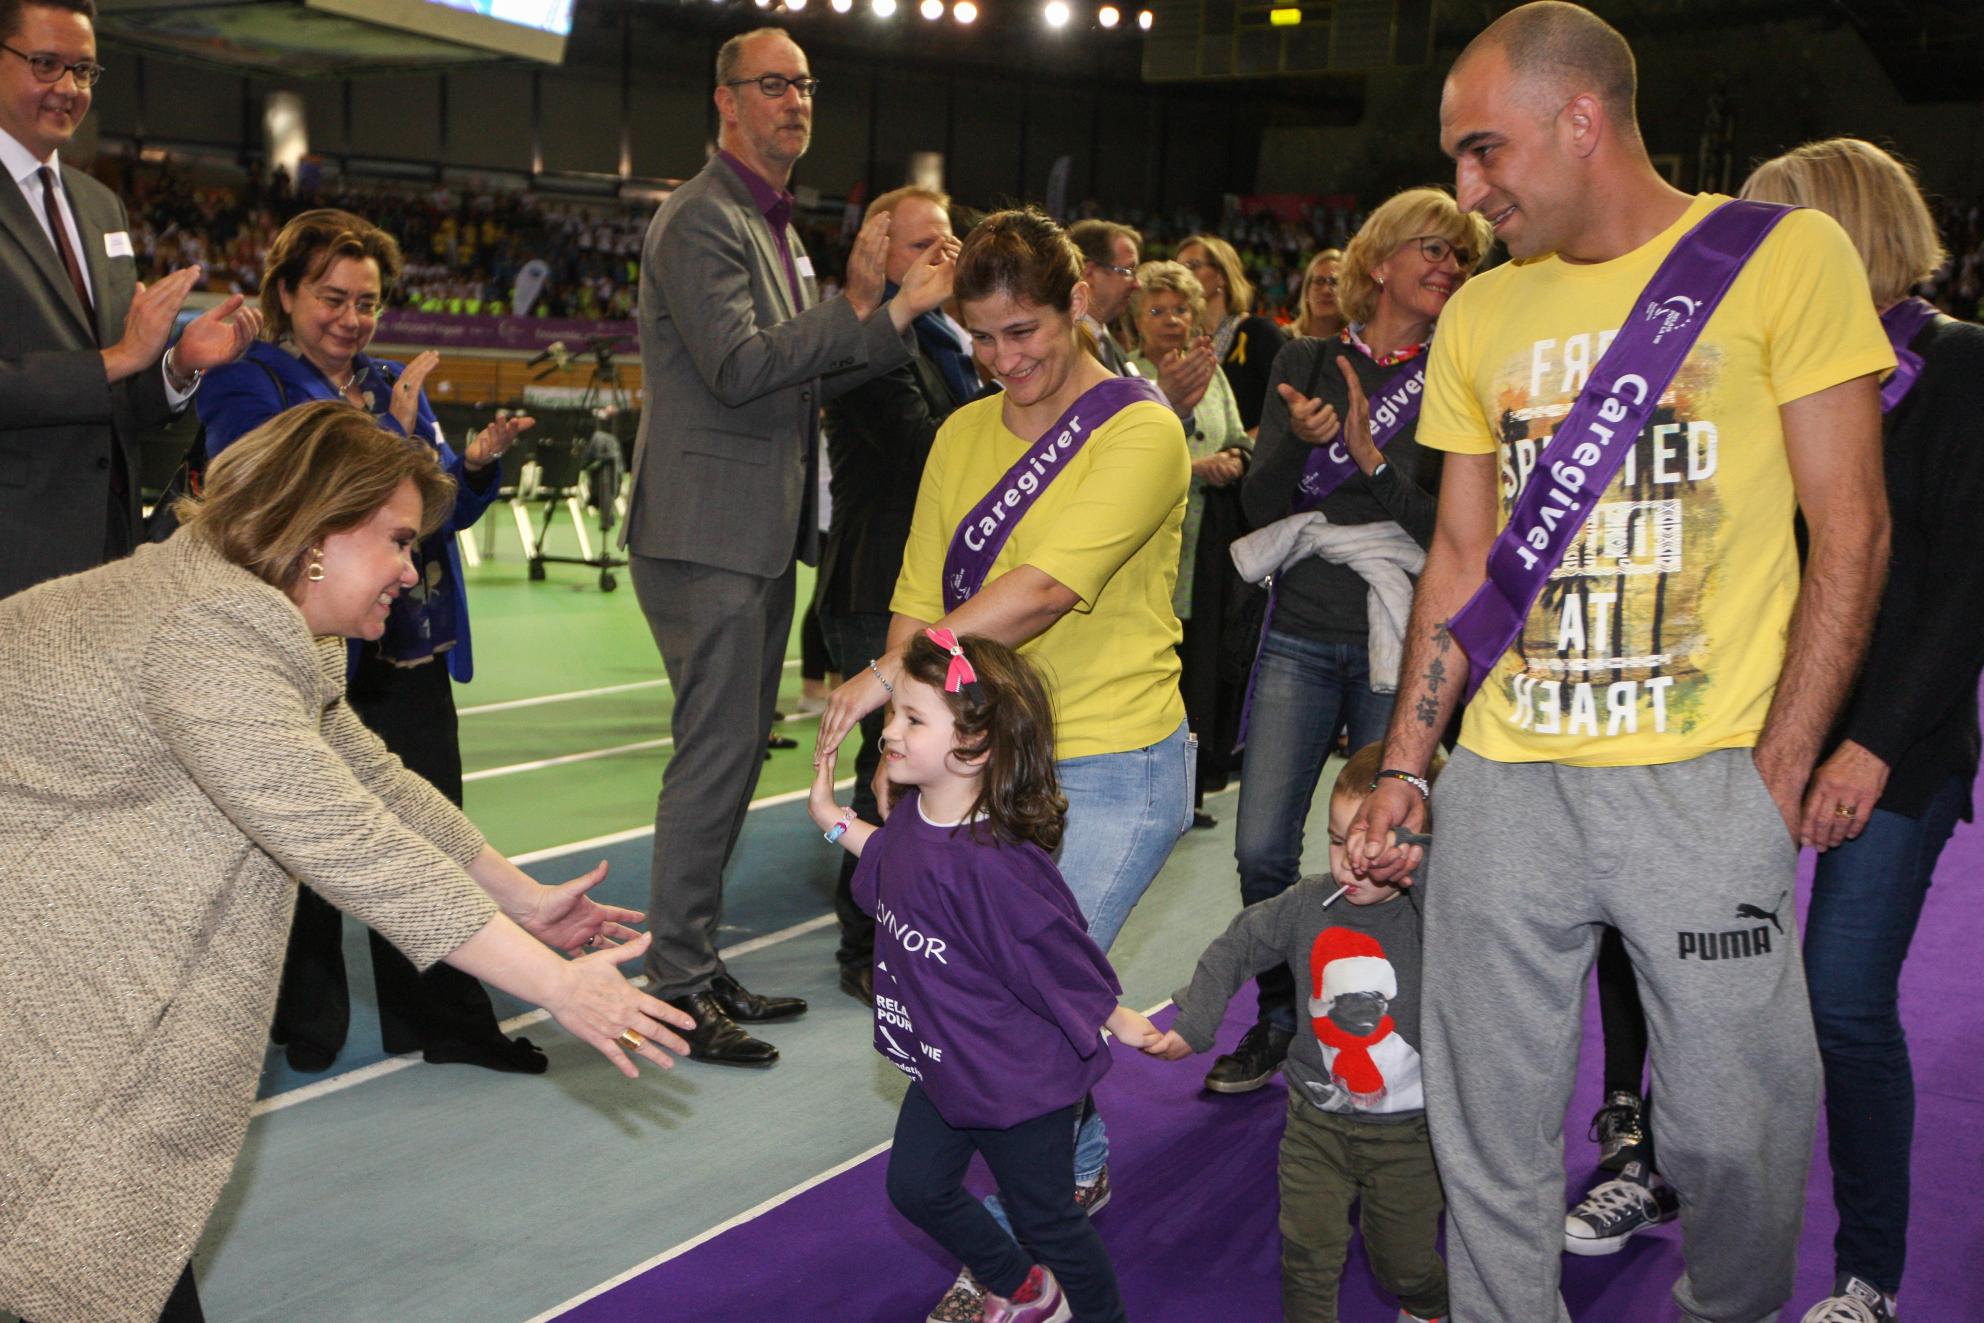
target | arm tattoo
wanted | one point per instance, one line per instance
(1428, 710)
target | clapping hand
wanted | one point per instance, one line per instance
(493, 440)
(406, 391)
(868, 266)
(1357, 422)
(926, 284)
(1312, 422)
(148, 325)
(1184, 374)
(217, 336)
(566, 918)
(1218, 470)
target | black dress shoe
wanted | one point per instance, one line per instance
(858, 982)
(1252, 1063)
(515, 1056)
(716, 1037)
(1202, 820)
(749, 1007)
(780, 742)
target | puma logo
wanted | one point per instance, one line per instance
(1759, 912)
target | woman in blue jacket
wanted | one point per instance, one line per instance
(321, 296)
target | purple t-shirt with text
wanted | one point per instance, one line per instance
(988, 991)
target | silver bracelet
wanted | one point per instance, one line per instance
(175, 377)
(891, 689)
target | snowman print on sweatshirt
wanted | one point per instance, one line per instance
(1371, 1066)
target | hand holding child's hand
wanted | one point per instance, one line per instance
(1131, 1028)
(1169, 1046)
(820, 800)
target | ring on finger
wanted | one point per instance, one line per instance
(630, 1040)
(1845, 810)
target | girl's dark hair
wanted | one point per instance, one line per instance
(1022, 253)
(1012, 724)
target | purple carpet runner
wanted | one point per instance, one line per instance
(1191, 1225)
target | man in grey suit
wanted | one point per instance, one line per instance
(738, 356)
(83, 359)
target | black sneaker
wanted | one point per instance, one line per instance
(1619, 1130)
(1852, 1301)
(1251, 1064)
(1616, 1211)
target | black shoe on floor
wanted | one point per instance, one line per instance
(1202, 820)
(1252, 1063)
(309, 1059)
(858, 982)
(780, 742)
(749, 1007)
(716, 1037)
(515, 1056)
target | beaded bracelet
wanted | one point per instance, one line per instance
(887, 687)
(839, 829)
(1419, 783)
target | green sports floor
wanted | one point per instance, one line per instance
(392, 1191)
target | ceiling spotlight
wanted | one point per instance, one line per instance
(931, 9)
(1057, 13)
(965, 12)
(794, 6)
(1109, 16)
(842, 6)
(764, 4)
(1143, 19)
(885, 8)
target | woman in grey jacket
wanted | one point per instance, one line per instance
(178, 756)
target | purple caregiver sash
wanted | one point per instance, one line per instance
(1394, 408)
(1903, 322)
(987, 525)
(1594, 438)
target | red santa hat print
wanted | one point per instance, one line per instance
(1345, 960)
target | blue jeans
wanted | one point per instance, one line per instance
(1303, 691)
(1125, 812)
(1866, 899)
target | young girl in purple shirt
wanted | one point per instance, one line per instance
(989, 994)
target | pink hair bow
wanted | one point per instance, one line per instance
(959, 676)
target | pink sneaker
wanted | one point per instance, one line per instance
(1043, 1302)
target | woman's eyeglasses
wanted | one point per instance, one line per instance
(1437, 250)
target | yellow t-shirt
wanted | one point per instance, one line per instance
(1107, 528)
(1661, 635)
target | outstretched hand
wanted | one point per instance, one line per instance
(566, 918)
(868, 265)
(493, 440)
(217, 336)
(598, 1005)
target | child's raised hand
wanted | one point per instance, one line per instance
(820, 800)
(1130, 1027)
(1169, 1046)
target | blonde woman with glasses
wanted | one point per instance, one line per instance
(1317, 311)
(1315, 672)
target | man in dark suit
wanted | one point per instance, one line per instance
(83, 359)
(738, 356)
(878, 436)
(1109, 269)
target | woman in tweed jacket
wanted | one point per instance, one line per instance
(177, 754)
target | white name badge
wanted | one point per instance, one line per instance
(805, 265)
(117, 244)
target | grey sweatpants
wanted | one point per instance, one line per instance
(1692, 863)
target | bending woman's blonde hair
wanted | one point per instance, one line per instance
(317, 469)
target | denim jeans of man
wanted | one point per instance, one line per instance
(1125, 812)
(1866, 899)
(1304, 691)
(854, 639)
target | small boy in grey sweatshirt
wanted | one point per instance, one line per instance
(1356, 1105)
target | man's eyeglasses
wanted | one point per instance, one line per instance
(48, 68)
(774, 85)
(1436, 250)
(1127, 272)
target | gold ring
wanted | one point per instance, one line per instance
(1844, 810)
(630, 1040)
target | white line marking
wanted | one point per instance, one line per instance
(635, 833)
(565, 759)
(511, 705)
(747, 1215)
(731, 1224)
